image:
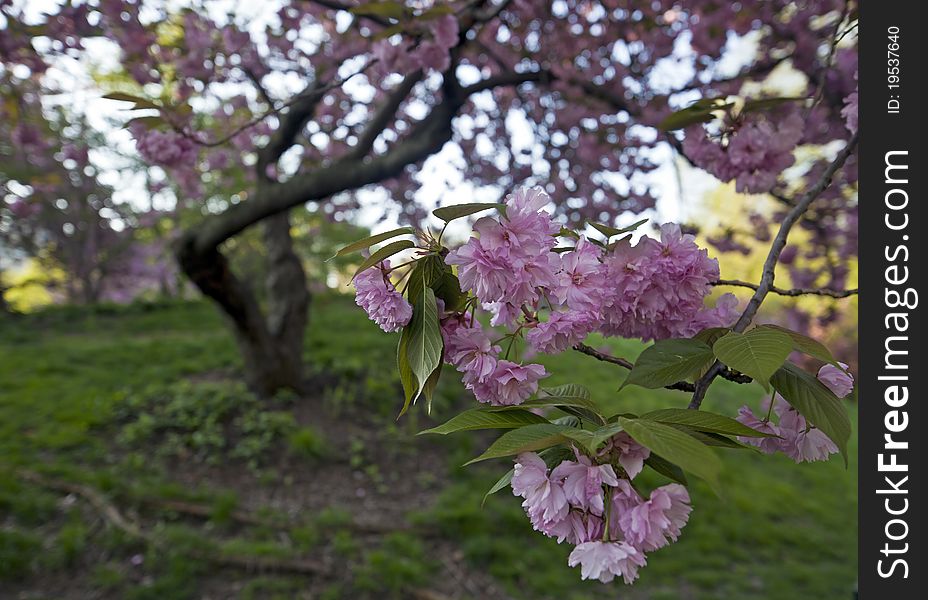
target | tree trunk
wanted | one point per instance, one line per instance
(272, 348)
(287, 295)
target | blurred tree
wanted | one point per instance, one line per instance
(325, 98)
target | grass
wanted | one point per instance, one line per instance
(778, 529)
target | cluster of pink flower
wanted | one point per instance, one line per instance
(757, 151)
(375, 293)
(492, 380)
(653, 290)
(588, 504)
(796, 438)
(165, 148)
(849, 112)
(659, 289)
(428, 54)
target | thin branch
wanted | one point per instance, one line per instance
(590, 351)
(683, 386)
(790, 292)
(335, 5)
(427, 137)
(773, 257)
(383, 116)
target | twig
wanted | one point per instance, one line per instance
(790, 292)
(683, 386)
(773, 257)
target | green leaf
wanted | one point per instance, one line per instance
(567, 392)
(699, 112)
(676, 447)
(757, 353)
(390, 10)
(582, 436)
(565, 232)
(666, 468)
(150, 122)
(703, 421)
(503, 482)
(710, 439)
(604, 229)
(428, 390)
(374, 239)
(806, 345)
(815, 402)
(609, 232)
(669, 361)
(527, 439)
(476, 418)
(711, 335)
(407, 377)
(425, 342)
(383, 254)
(450, 213)
(137, 100)
(564, 397)
(633, 226)
(448, 288)
(602, 434)
(427, 273)
(390, 31)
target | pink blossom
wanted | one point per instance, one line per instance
(797, 438)
(850, 110)
(649, 524)
(767, 445)
(510, 259)
(643, 525)
(605, 560)
(544, 499)
(509, 384)
(757, 151)
(631, 454)
(680, 509)
(836, 380)
(166, 148)
(375, 293)
(430, 55)
(801, 442)
(583, 482)
(486, 273)
(577, 527)
(445, 31)
(470, 350)
(657, 288)
(503, 313)
(561, 331)
(582, 280)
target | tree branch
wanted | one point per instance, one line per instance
(383, 116)
(773, 257)
(790, 292)
(683, 386)
(426, 138)
(336, 5)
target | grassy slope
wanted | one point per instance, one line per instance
(779, 530)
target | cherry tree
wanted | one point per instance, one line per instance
(318, 101)
(57, 212)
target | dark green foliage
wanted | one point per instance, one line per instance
(209, 422)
